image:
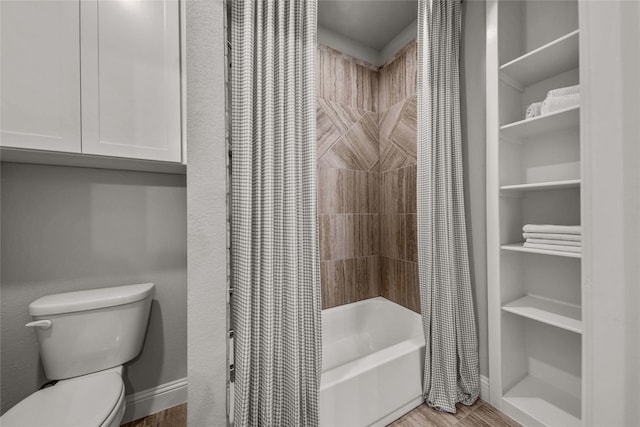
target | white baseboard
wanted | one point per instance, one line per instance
(167, 395)
(484, 388)
(150, 401)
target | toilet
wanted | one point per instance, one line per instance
(85, 337)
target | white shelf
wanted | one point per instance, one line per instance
(540, 186)
(551, 312)
(533, 397)
(549, 60)
(518, 247)
(41, 157)
(558, 120)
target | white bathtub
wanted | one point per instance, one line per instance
(372, 362)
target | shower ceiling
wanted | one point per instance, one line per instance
(371, 23)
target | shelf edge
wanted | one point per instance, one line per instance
(524, 122)
(540, 49)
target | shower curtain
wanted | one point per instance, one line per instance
(275, 263)
(451, 371)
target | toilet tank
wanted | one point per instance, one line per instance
(91, 330)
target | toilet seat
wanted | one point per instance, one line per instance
(95, 400)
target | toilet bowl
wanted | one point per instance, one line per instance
(84, 338)
(89, 400)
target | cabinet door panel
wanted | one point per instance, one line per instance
(40, 83)
(131, 79)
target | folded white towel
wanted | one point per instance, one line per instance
(562, 91)
(555, 242)
(559, 248)
(554, 229)
(551, 236)
(557, 103)
(534, 110)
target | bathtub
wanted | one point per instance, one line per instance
(372, 362)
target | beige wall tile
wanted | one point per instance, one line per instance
(410, 57)
(349, 280)
(388, 120)
(366, 235)
(412, 286)
(373, 265)
(329, 197)
(347, 191)
(332, 122)
(404, 134)
(347, 223)
(398, 77)
(398, 135)
(385, 235)
(349, 277)
(333, 237)
(393, 157)
(386, 277)
(357, 149)
(364, 192)
(399, 280)
(395, 191)
(392, 280)
(346, 81)
(411, 238)
(366, 239)
(332, 278)
(410, 190)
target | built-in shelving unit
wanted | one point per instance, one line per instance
(519, 247)
(541, 186)
(525, 396)
(522, 129)
(549, 60)
(533, 177)
(551, 312)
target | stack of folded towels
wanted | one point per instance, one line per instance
(556, 100)
(566, 238)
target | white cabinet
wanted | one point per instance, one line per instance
(40, 84)
(131, 79)
(96, 77)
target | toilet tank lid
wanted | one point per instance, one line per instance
(70, 302)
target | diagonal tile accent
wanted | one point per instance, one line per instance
(342, 117)
(367, 179)
(357, 149)
(388, 121)
(392, 158)
(333, 121)
(398, 135)
(404, 134)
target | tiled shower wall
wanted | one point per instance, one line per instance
(348, 178)
(398, 227)
(367, 178)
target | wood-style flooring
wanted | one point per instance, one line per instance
(481, 414)
(172, 417)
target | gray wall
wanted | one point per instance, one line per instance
(473, 95)
(66, 229)
(206, 193)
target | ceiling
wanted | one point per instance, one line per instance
(371, 23)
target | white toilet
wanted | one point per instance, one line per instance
(85, 337)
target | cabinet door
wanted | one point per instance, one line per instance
(131, 79)
(40, 75)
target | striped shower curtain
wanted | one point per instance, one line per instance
(275, 263)
(451, 372)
